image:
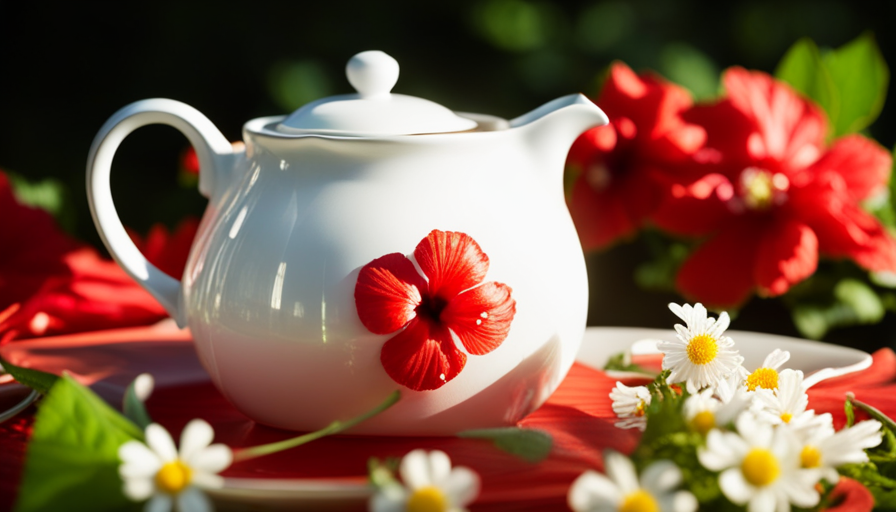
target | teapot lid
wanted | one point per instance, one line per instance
(374, 110)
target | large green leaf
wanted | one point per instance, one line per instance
(860, 76)
(72, 459)
(34, 379)
(803, 68)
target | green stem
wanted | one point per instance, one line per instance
(871, 411)
(332, 428)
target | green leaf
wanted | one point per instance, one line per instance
(72, 459)
(803, 68)
(619, 362)
(47, 194)
(134, 409)
(862, 299)
(860, 76)
(528, 444)
(34, 379)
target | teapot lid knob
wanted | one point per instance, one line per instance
(373, 74)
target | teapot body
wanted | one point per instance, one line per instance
(269, 288)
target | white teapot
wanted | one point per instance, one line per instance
(372, 242)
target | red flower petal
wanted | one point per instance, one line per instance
(168, 250)
(452, 261)
(481, 317)
(601, 217)
(697, 208)
(863, 164)
(850, 496)
(388, 290)
(790, 128)
(720, 272)
(787, 254)
(422, 357)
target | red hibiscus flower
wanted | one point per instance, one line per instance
(429, 310)
(772, 196)
(620, 166)
(168, 250)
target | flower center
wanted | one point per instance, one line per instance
(761, 189)
(765, 378)
(786, 417)
(174, 477)
(702, 349)
(703, 422)
(760, 467)
(427, 499)
(641, 409)
(431, 307)
(810, 457)
(639, 501)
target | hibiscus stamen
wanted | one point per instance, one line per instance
(762, 189)
(599, 176)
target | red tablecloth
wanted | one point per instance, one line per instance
(578, 416)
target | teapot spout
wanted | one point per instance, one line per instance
(550, 129)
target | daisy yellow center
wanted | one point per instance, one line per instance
(702, 349)
(786, 417)
(810, 457)
(641, 409)
(765, 378)
(760, 467)
(427, 499)
(174, 477)
(639, 501)
(703, 422)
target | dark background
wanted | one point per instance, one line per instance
(66, 67)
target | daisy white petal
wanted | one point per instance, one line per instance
(197, 435)
(429, 483)
(138, 489)
(622, 489)
(159, 440)
(211, 459)
(193, 500)
(207, 480)
(160, 502)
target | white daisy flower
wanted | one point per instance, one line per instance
(766, 376)
(630, 404)
(700, 356)
(156, 469)
(704, 412)
(430, 484)
(826, 450)
(787, 404)
(760, 466)
(621, 489)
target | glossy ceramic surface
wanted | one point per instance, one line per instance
(268, 291)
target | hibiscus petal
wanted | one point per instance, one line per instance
(481, 317)
(787, 254)
(452, 261)
(719, 273)
(695, 208)
(422, 357)
(791, 129)
(387, 292)
(863, 164)
(600, 216)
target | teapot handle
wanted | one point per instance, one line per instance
(214, 153)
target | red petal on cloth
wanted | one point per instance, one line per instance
(850, 496)
(31, 248)
(452, 261)
(697, 208)
(862, 163)
(422, 357)
(168, 250)
(720, 272)
(790, 128)
(787, 254)
(481, 317)
(875, 386)
(97, 295)
(388, 290)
